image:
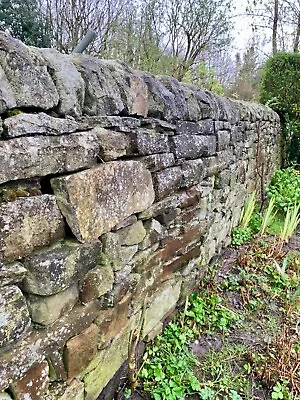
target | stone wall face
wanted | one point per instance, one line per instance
(115, 187)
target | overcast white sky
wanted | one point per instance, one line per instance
(243, 31)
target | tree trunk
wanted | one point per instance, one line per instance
(297, 37)
(275, 27)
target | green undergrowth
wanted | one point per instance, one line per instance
(275, 217)
(237, 337)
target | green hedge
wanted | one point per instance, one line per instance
(280, 89)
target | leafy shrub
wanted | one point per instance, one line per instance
(280, 89)
(285, 188)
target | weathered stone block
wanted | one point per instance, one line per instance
(53, 269)
(27, 73)
(167, 182)
(161, 304)
(155, 232)
(192, 172)
(96, 200)
(157, 162)
(16, 362)
(69, 84)
(80, 350)
(147, 141)
(114, 254)
(106, 363)
(108, 91)
(5, 396)
(223, 140)
(7, 98)
(60, 391)
(45, 310)
(132, 234)
(193, 146)
(113, 320)
(28, 157)
(14, 315)
(187, 128)
(207, 127)
(97, 282)
(112, 144)
(38, 124)
(27, 224)
(34, 384)
(11, 273)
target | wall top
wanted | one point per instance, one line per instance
(34, 79)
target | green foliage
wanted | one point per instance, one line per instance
(291, 222)
(285, 188)
(240, 236)
(25, 21)
(280, 89)
(167, 371)
(267, 217)
(248, 210)
(280, 84)
(203, 78)
(280, 391)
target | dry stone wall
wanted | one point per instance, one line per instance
(115, 187)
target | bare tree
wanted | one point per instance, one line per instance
(71, 19)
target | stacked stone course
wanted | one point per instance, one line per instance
(115, 187)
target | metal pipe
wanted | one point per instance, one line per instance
(85, 41)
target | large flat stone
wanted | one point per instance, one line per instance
(53, 269)
(27, 74)
(38, 124)
(193, 146)
(27, 224)
(94, 201)
(14, 315)
(27, 157)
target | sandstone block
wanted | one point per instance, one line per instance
(161, 304)
(27, 224)
(223, 140)
(167, 182)
(154, 233)
(34, 384)
(94, 201)
(60, 391)
(7, 97)
(11, 273)
(114, 254)
(38, 124)
(187, 128)
(14, 315)
(207, 127)
(16, 362)
(113, 320)
(45, 310)
(112, 144)
(28, 157)
(132, 234)
(157, 162)
(97, 282)
(53, 269)
(80, 350)
(147, 141)
(69, 84)
(27, 73)
(107, 89)
(192, 172)
(193, 146)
